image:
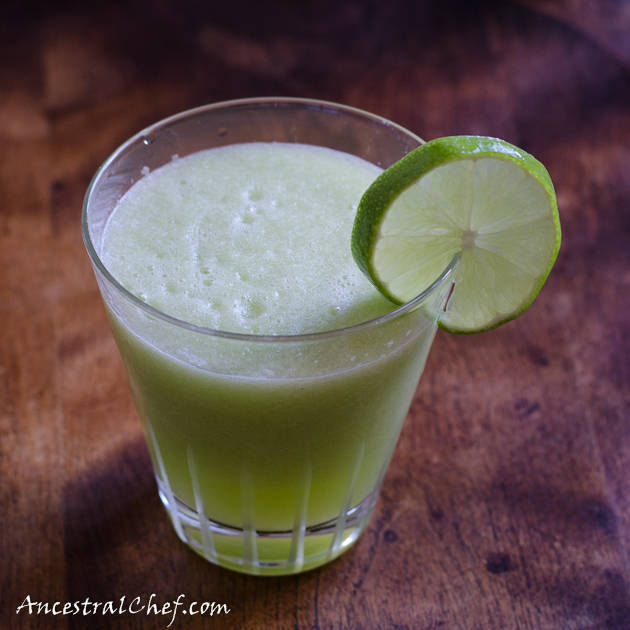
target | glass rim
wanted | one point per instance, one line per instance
(395, 313)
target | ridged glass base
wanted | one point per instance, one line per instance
(268, 553)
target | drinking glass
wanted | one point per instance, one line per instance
(268, 450)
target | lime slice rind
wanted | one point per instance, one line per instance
(481, 197)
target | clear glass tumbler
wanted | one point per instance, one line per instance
(268, 451)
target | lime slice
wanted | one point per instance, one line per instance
(481, 197)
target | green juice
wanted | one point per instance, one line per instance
(269, 442)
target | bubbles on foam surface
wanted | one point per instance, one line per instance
(249, 307)
(254, 194)
(254, 228)
(172, 287)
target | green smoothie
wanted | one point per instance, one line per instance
(268, 451)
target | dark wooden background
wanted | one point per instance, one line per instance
(507, 503)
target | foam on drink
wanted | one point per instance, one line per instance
(250, 238)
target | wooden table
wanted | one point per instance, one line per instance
(507, 504)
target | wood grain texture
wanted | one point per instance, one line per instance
(507, 504)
